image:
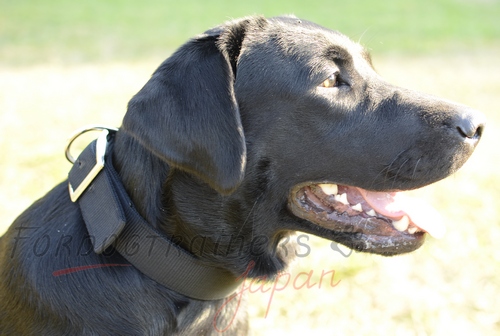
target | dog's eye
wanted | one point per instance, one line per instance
(331, 81)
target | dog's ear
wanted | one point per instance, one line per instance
(187, 113)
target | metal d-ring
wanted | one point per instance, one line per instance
(81, 131)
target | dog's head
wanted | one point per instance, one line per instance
(277, 125)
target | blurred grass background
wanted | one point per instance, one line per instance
(64, 64)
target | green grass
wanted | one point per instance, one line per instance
(66, 64)
(66, 31)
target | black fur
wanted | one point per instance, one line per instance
(209, 151)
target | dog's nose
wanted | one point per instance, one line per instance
(470, 125)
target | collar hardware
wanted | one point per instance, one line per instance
(101, 146)
(82, 131)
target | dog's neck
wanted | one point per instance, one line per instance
(145, 186)
(150, 188)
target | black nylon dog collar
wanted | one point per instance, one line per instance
(111, 219)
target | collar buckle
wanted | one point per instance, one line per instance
(101, 147)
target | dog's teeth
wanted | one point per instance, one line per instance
(342, 199)
(371, 213)
(357, 207)
(329, 189)
(402, 224)
(412, 230)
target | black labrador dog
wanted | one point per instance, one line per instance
(249, 132)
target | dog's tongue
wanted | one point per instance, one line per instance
(395, 205)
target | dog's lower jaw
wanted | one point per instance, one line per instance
(328, 213)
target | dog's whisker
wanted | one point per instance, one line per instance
(397, 173)
(387, 169)
(250, 213)
(415, 169)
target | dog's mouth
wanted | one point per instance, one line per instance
(378, 222)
